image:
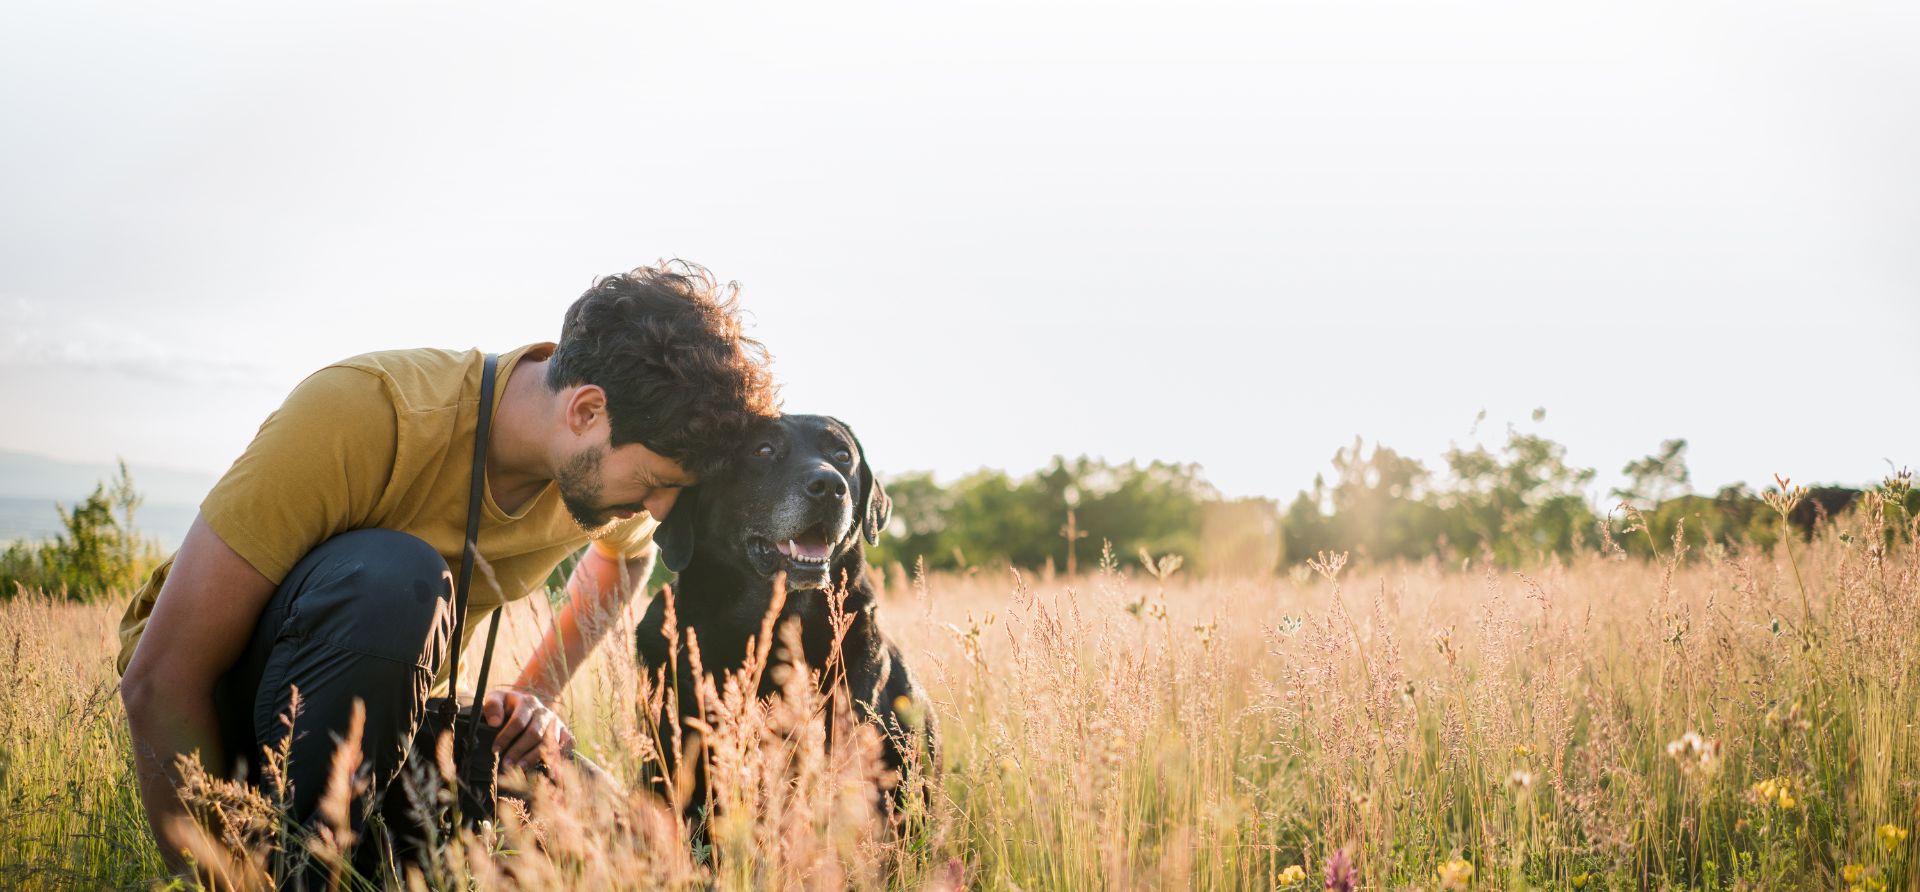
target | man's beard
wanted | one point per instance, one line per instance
(579, 482)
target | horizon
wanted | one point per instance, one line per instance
(1439, 475)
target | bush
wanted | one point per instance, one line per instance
(99, 555)
(992, 519)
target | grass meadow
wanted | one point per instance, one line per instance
(1719, 718)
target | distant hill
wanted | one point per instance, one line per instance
(24, 475)
(32, 485)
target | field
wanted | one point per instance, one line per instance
(1726, 717)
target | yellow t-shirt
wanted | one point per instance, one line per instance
(385, 440)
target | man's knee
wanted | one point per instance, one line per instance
(381, 593)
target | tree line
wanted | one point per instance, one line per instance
(1524, 502)
(1518, 503)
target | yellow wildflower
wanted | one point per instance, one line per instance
(1891, 836)
(1294, 875)
(1581, 879)
(1455, 874)
(1861, 878)
(1775, 791)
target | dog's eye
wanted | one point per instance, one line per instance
(842, 456)
(764, 450)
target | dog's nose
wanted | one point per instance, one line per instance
(826, 484)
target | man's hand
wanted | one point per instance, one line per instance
(600, 587)
(527, 728)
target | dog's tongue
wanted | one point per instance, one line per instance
(810, 545)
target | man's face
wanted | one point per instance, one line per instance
(602, 486)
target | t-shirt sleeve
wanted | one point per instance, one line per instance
(631, 537)
(316, 469)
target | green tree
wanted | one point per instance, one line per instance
(1658, 477)
(990, 518)
(1523, 503)
(97, 554)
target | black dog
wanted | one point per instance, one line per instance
(798, 499)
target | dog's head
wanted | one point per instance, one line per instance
(797, 498)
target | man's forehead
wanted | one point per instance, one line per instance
(672, 473)
(651, 465)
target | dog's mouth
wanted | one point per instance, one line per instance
(804, 557)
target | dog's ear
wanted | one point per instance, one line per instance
(675, 534)
(874, 508)
(878, 509)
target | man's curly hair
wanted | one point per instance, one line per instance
(664, 342)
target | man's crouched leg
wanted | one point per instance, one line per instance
(368, 616)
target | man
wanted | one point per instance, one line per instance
(320, 561)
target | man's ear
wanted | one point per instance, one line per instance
(675, 534)
(874, 508)
(587, 405)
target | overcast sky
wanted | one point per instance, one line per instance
(983, 234)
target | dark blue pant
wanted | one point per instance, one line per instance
(367, 614)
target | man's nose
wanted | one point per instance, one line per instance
(826, 483)
(660, 502)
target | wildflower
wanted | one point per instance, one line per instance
(1694, 753)
(1455, 874)
(1341, 877)
(908, 711)
(1861, 878)
(1775, 792)
(1891, 836)
(1522, 751)
(1581, 879)
(1294, 875)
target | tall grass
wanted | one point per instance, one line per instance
(1722, 717)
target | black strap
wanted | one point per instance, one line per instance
(476, 495)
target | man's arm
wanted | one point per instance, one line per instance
(601, 585)
(201, 621)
